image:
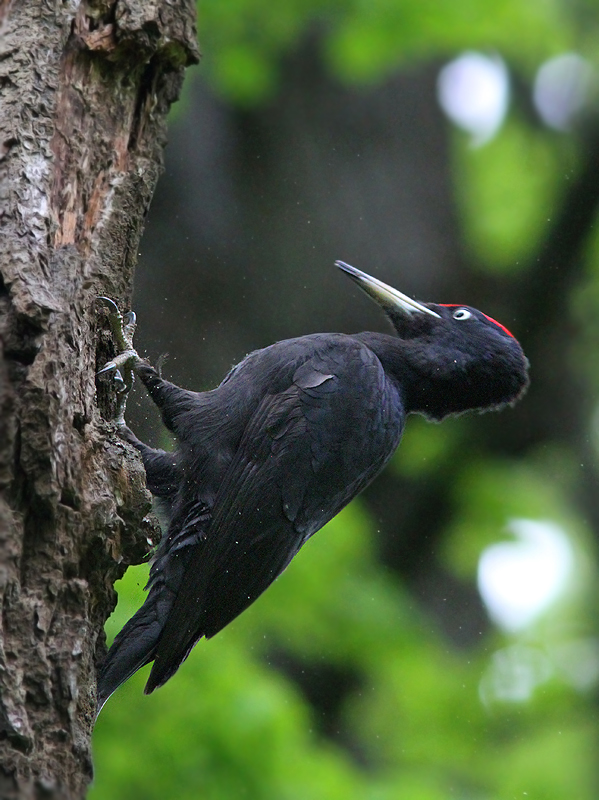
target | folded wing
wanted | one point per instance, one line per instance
(292, 472)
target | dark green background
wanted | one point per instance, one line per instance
(310, 132)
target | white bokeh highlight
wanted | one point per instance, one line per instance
(562, 89)
(514, 673)
(473, 90)
(519, 580)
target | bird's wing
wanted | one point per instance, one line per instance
(305, 453)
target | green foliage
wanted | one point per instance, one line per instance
(489, 494)
(374, 38)
(511, 717)
(230, 726)
(243, 40)
(426, 448)
(508, 192)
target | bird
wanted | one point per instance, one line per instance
(293, 433)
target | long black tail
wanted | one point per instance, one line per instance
(133, 648)
(137, 643)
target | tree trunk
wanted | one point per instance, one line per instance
(86, 87)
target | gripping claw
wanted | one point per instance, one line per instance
(121, 386)
(110, 303)
(110, 367)
(123, 364)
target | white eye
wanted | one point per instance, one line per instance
(462, 313)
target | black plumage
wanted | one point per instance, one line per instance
(290, 436)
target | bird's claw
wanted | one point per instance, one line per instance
(117, 378)
(123, 326)
(123, 364)
(107, 368)
(108, 302)
(121, 386)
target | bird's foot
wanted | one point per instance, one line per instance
(123, 364)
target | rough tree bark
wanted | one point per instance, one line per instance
(86, 86)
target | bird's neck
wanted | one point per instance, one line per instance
(428, 381)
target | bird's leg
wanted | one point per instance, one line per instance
(123, 364)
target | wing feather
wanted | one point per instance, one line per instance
(288, 477)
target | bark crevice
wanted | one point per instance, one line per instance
(74, 508)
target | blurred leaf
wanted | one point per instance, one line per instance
(365, 41)
(509, 191)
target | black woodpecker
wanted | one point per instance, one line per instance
(290, 436)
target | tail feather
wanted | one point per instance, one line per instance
(133, 648)
(137, 643)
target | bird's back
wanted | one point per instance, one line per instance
(292, 434)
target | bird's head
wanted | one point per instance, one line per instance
(461, 358)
